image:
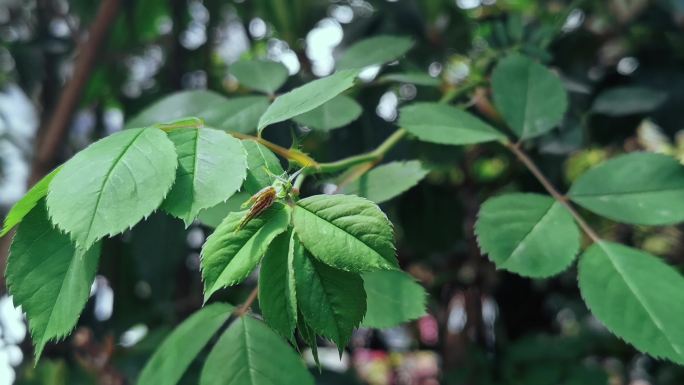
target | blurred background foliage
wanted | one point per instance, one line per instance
(622, 62)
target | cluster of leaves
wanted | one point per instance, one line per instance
(319, 256)
(328, 261)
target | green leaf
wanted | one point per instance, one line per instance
(277, 295)
(439, 123)
(336, 113)
(393, 297)
(260, 161)
(211, 168)
(621, 101)
(387, 181)
(28, 202)
(640, 188)
(309, 337)
(213, 216)
(307, 97)
(112, 184)
(417, 78)
(346, 232)
(230, 255)
(528, 234)
(332, 301)
(260, 75)
(636, 296)
(531, 98)
(239, 114)
(249, 353)
(375, 50)
(49, 277)
(173, 357)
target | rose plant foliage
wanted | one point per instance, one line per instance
(326, 263)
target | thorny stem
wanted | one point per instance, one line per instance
(532, 167)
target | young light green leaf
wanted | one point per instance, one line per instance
(636, 296)
(230, 255)
(213, 216)
(439, 123)
(393, 297)
(332, 301)
(277, 294)
(639, 188)
(336, 113)
(531, 98)
(28, 202)
(211, 168)
(346, 232)
(528, 234)
(181, 347)
(417, 78)
(387, 181)
(260, 75)
(239, 114)
(49, 277)
(249, 353)
(307, 97)
(262, 164)
(621, 101)
(112, 184)
(375, 50)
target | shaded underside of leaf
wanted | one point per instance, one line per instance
(49, 277)
(336, 113)
(393, 298)
(262, 164)
(387, 181)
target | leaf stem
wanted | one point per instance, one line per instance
(532, 167)
(240, 311)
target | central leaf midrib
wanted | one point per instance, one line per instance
(106, 179)
(530, 231)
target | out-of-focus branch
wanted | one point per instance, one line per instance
(56, 128)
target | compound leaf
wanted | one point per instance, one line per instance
(638, 188)
(636, 296)
(112, 184)
(211, 168)
(346, 232)
(49, 277)
(307, 97)
(387, 181)
(528, 234)
(439, 123)
(173, 357)
(531, 98)
(249, 353)
(393, 298)
(260, 75)
(229, 255)
(332, 301)
(277, 294)
(375, 50)
(28, 202)
(336, 113)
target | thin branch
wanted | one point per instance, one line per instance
(57, 128)
(240, 311)
(532, 167)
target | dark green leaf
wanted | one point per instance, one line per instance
(249, 353)
(620, 101)
(393, 297)
(387, 181)
(181, 347)
(49, 277)
(640, 188)
(230, 255)
(528, 234)
(531, 98)
(439, 123)
(260, 75)
(346, 232)
(417, 78)
(375, 50)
